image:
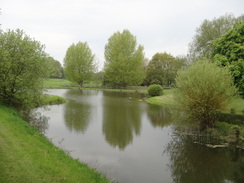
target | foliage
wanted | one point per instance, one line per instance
(162, 69)
(27, 156)
(207, 32)
(228, 51)
(56, 69)
(22, 69)
(123, 60)
(155, 90)
(204, 89)
(79, 64)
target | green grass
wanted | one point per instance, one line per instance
(138, 90)
(59, 83)
(53, 99)
(27, 156)
(63, 83)
(236, 105)
(166, 99)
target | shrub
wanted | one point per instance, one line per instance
(155, 90)
(204, 89)
(23, 65)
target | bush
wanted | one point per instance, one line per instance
(23, 66)
(155, 90)
(204, 89)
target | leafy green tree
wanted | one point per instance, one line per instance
(56, 69)
(162, 69)
(79, 64)
(204, 89)
(124, 60)
(208, 31)
(22, 69)
(228, 51)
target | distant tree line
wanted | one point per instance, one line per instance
(125, 64)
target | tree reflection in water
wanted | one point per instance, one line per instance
(39, 121)
(120, 122)
(77, 112)
(159, 116)
(190, 163)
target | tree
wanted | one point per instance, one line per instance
(123, 60)
(204, 89)
(162, 69)
(79, 64)
(208, 31)
(56, 69)
(22, 69)
(228, 51)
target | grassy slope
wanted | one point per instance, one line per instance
(27, 156)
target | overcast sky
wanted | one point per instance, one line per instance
(159, 25)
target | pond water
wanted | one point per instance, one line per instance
(132, 142)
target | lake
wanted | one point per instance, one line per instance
(131, 141)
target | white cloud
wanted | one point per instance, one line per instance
(159, 25)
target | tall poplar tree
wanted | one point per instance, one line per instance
(124, 60)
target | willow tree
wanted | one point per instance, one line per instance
(79, 64)
(204, 89)
(124, 60)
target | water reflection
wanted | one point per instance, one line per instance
(77, 116)
(159, 116)
(121, 119)
(77, 111)
(190, 163)
(39, 121)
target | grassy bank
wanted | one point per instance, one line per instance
(53, 99)
(126, 90)
(166, 99)
(63, 83)
(59, 84)
(235, 106)
(27, 156)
